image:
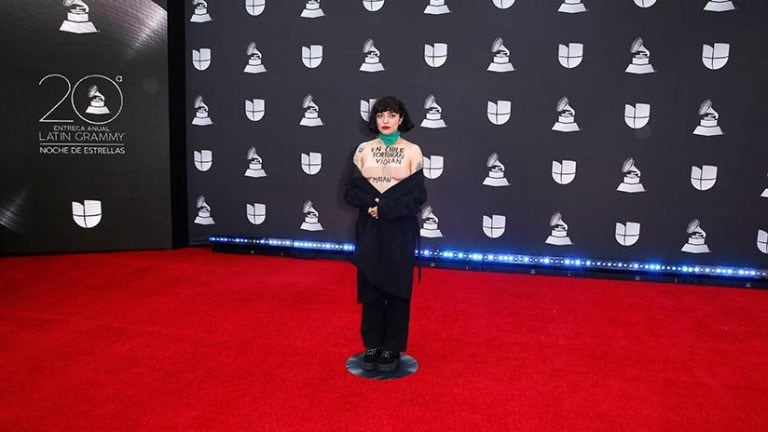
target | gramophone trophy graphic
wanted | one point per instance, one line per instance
(311, 218)
(77, 20)
(559, 234)
(429, 228)
(434, 115)
(254, 65)
(641, 59)
(201, 12)
(495, 173)
(201, 113)
(203, 212)
(631, 182)
(312, 9)
(372, 62)
(500, 62)
(696, 239)
(708, 122)
(255, 168)
(311, 113)
(97, 105)
(566, 117)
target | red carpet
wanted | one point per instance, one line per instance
(191, 340)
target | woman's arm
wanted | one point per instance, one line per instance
(416, 159)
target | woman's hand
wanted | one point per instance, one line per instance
(374, 212)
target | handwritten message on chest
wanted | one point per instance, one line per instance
(388, 155)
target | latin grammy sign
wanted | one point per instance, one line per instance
(78, 123)
(87, 153)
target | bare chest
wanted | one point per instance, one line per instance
(384, 166)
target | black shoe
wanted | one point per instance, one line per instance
(388, 361)
(370, 358)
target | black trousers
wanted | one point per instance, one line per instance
(385, 321)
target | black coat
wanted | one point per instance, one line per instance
(384, 247)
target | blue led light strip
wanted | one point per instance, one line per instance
(457, 256)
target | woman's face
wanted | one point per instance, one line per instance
(388, 122)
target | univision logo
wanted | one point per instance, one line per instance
(256, 213)
(627, 233)
(638, 115)
(503, 4)
(571, 55)
(86, 214)
(715, 56)
(494, 225)
(255, 109)
(255, 7)
(312, 56)
(203, 160)
(373, 5)
(645, 3)
(436, 54)
(704, 177)
(365, 108)
(201, 59)
(563, 172)
(499, 112)
(762, 241)
(311, 163)
(433, 166)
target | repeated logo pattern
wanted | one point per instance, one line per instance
(435, 118)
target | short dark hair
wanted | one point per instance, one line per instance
(391, 104)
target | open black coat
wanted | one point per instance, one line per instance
(384, 247)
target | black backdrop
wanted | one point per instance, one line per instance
(731, 212)
(124, 168)
(120, 171)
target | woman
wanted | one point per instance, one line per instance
(387, 186)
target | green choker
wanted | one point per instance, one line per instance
(389, 139)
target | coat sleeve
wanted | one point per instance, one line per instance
(407, 204)
(356, 197)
